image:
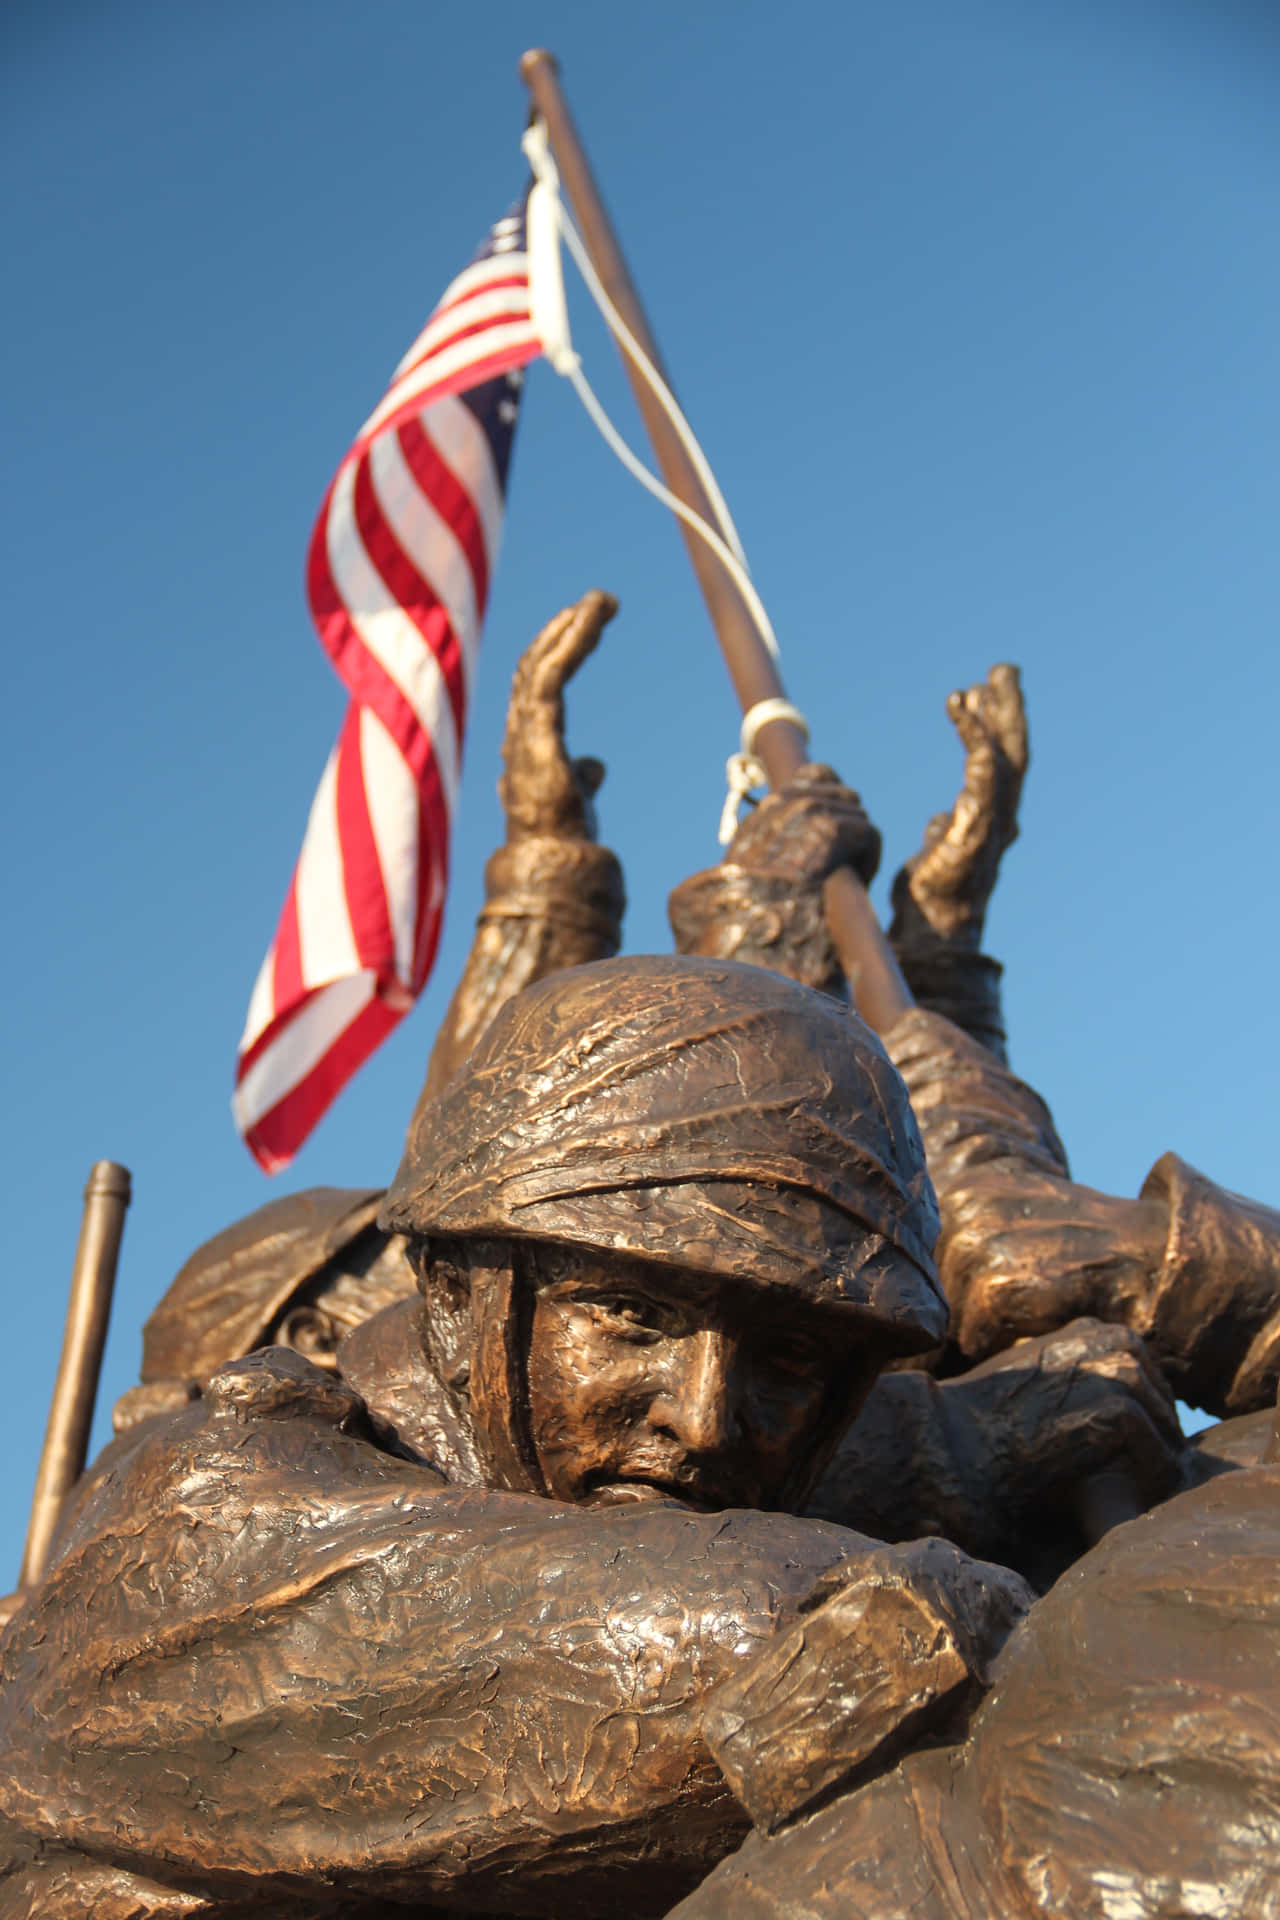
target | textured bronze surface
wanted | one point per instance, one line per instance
(766, 900)
(942, 892)
(571, 1528)
(321, 1639)
(668, 1090)
(1126, 1762)
(889, 1646)
(224, 1300)
(1191, 1267)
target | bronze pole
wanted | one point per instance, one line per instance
(879, 990)
(93, 1279)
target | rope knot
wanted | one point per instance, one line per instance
(743, 770)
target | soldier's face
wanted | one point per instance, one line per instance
(651, 1384)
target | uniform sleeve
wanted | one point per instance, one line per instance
(1214, 1313)
(272, 1656)
(1126, 1762)
(973, 1112)
(550, 902)
(1192, 1267)
(1009, 1255)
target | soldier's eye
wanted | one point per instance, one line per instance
(630, 1314)
(795, 1357)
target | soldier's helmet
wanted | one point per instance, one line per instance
(703, 1114)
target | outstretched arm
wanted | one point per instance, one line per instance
(1024, 1249)
(553, 897)
(272, 1658)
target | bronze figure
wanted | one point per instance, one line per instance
(620, 1482)
(441, 1625)
(1000, 1462)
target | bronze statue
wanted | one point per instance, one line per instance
(441, 1624)
(995, 1463)
(575, 1518)
(1023, 1251)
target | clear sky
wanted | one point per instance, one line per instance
(974, 304)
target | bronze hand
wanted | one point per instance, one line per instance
(942, 892)
(542, 790)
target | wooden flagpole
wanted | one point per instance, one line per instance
(879, 990)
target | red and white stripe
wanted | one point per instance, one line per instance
(398, 576)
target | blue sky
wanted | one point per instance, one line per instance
(974, 306)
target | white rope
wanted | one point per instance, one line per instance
(765, 711)
(548, 308)
(653, 485)
(654, 380)
(537, 150)
(548, 221)
(743, 770)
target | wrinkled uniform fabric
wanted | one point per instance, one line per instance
(1125, 1767)
(1016, 1228)
(281, 1665)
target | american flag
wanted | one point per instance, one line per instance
(397, 577)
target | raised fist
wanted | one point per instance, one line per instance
(806, 830)
(763, 903)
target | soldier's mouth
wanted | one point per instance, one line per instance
(630, 1489)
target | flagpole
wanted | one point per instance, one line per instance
(879, 990)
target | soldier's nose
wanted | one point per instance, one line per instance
(696, 1403)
